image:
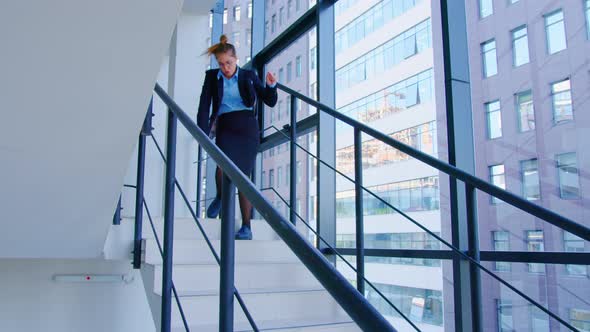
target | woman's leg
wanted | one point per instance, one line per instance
(246, 209)
(218, 182)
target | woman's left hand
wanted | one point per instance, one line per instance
(271, 79)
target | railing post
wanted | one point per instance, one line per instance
(117, 216)
(145, 130)
(293, 157)
(473, 240)
(199, 181)
(358, 191)
(168, 223)
(226, 287)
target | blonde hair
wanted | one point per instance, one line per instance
(222, 47)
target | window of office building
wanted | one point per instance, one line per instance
(587, 9)
(279, 175)
(501, 243)
(497, 178)
(250, 9)
(370, 21)
(281, 16)
(372, 64)
(539, 319)
(377, 154)
(271, 178)
(418, 240)
(567, 168)
(312, 58)
(281, 76)
(235, 38)
(237, 13)
(225, 16)
(273, 23)
(486, 8)
(535, 243)
(505, 320)
(420, 305)
(580, 319)
(494, 119)
(555, 31)
(530, 179)
(298, 172)
(288, 174)
(412, 91)
(297, 5)
(489, 60)
(408, 196)
(562, 101)
(520, 46)
(298, 69)
(573, 243)
(525, 111)
(263, 178)
(289, 8)
(289, 71)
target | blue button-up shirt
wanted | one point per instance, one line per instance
(231, 100)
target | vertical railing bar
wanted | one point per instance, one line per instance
(145, 130)
(226, 285)
(199, 180)
(473, 252)
(293, 157)
(168, 222)
(358, 191)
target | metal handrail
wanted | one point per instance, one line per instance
(354, 303)
(209, 245)
(454, 172)
(439, 238)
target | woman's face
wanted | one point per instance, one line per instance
(227, 63)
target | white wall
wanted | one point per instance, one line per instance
(76, 80)
(187, 70)
(31, 301)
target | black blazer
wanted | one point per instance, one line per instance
(249, 86)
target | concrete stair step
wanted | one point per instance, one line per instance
(197, 252)
(203, 279)
(281, 326)
(186, 229)
(295, 306)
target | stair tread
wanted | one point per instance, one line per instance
(312, 324)
(247, 291)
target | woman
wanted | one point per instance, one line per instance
(233, 92)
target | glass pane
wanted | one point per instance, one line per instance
(386, 73)
(282, 13)
(238, 28)
(296, 68)
(537, 157)
(505, 310)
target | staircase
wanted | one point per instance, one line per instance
(279, 291)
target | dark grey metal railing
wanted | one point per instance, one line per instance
(354, 303)
(471, 184)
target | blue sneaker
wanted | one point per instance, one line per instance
(245, 233)
(214, 207)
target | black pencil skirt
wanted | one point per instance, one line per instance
(237, 135)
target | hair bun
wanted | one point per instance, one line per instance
(223, 39)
